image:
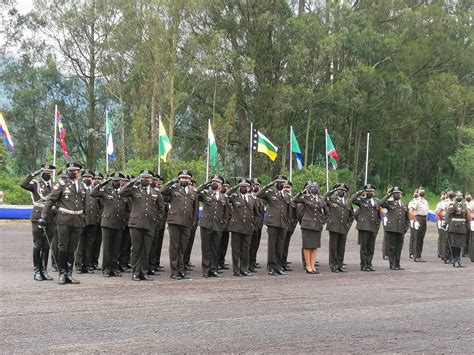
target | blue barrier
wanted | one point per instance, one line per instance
(15, 211)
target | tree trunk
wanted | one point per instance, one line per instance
(153, 125)
(306, 142)
(174, 35)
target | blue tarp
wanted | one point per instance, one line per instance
(15, 212)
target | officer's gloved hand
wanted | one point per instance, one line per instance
(416, 225)
(37, 172)
(42, 223)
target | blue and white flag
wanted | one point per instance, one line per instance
(109, 141)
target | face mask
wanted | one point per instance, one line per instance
(87, 182)
(115, 184)
(46, 177)
(223, 190)
(243, 190)
(145, 183)
(279, 186)
(468, 199)
(214, 186)
(256, 189)
(451, 196)
(458, 199)
(314, 190)
(369, 194)
(422, 194)
(72, 175)
(396, 197)
(153, 184)
(184, 183)
(341, 193)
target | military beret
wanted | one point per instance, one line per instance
(146, 173)
(341, 186)
(369, 187)
(217, 178)
(48, 167)
(87, 172)
(185, 173)
(280, 178)
(73, 166)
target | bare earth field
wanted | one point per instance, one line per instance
(427, 308)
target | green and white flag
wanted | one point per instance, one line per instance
(212, 146)
(163, 141)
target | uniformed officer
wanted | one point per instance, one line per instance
(339, 221)
(419, 214)
(470, 231)
(85, 248)
(225, 235)
(277, 218)
(154, 267)
(241, 225)
(457, 218)
(112, 222)
(446, 255)
(439, 220)
(412, 241)
(69, 198)
(215, 213)
(368, 224)
(98, 178)
(312, 217)
(126, 245)
(293, 222)
(182, 215)
(63, 176)
(39, 189)
(148, 210)
(188, 265)
(397, 224)
(257, 233)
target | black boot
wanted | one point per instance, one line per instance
(62, 277)
(44, 265)
(37, 275)
(70, 279)
(37, 265)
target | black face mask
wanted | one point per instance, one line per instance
(46, 177)
(243, 190)
(422, 194)
(458, 199)
(153, 184)
(341, 193)
(145, 183)
(72, 175)
(223, 190)
(314, 190)
(214, 186)
(468, 199)
(396, 197)
(87, 182)
(369, 194)
(184, 183)
(115, 184)
(256, 189)
(279, 186)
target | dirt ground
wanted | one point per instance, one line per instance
(427, 308)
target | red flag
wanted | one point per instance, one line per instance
(62, 135)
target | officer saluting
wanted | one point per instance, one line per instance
(69, 197)
(368, 224)
(148, 210)
(182, 216)
(39, 189)
(277, 219)
(397, 224)
(457, 218)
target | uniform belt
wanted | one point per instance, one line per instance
(458, 220)
(421, 215)
(65, 210)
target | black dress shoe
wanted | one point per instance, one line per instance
(136, 278)
(205, 275)
(71, 279)
(316, 272)
(37, 276)
(188, 267)
(147, 278)
(185, 276)
(176, 277)
(246, 273)
(45, 275)
(160, 268)
(214, 274)
(237, 274)
(363, 268)
(54, 268)
(251, 269)
(335, 269)
(273, 273)
(191, 264)
(107, 274)
(370, 268)
(115, 274)
(81, 271)
(307, 271)
(419, 260)
(281, 272)
(121, 269)
(224, 267)
(411, 256)
(287, 268)
(62, 279)
(342, 269)
(150, 272)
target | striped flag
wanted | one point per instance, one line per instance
(108, 138)
(295, 148)
(62, 135)
(331, 152)
(262, 144)
(6, 134)
(212, 146)
(163, 141)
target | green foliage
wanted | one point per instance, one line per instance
(13, 193)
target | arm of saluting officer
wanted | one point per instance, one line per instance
(166, 188)
(383, 202)
(355, 198)
(97, 190)
(28, 184)
(126, 191)
(263, 193)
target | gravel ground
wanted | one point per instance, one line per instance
(427, 308)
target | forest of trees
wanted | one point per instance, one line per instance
(401, 69)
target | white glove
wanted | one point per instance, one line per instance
(417, 225)
(472, 226)
(440, 224)
(412, 223)
(385, 221)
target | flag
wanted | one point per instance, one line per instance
(6, 134)
(62, 135)
(163, 141)
(109, 143)
(262, 144)
(295, 148)
(212, 146)
(331, 152)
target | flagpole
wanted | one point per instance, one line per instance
(106, 154)
(55, 139)
(207, 159)
(367, 159)
(159, 155)
(291, 153)
(327, 162)
(250, 150)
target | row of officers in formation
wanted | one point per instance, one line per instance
(126, 216)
